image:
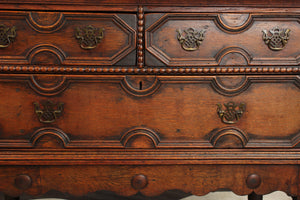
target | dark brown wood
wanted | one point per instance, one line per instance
(53, 41)
(192, 179)
(218, 46)
(23, 182)
(101, 195)
(137, 98)
(253, 3)
(254, 196)
(139, 181)
(253, 181)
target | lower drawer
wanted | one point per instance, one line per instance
(155, 113)
(148, 180)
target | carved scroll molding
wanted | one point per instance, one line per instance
(229, 137)
(53, 54)
(55, 133)
(245, 82)
(48, 85)
(234, 23)
(237, 84)
(245, 56)
(45, 22)
(140, 86)
(140, 137)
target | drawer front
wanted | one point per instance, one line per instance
(67, 38)
(150, 112)
(178, 39)
(50, 181)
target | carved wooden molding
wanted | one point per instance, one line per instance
(59, 135)
(62, 82)
(144, 157)
(39, 49)
(241, 22)
(58, 21)
(46, 69)
(48, 85)
(140, 86)
(231, 132)
(140, 37)
(134, 134)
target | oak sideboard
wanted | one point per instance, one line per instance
(140, 99)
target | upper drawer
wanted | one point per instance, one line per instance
(179, 39)
(67, 38)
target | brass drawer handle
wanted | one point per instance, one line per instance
(231, 114)
(49, 111)
(89, 36)
(7, 35)
(190, 39)
(276, 38)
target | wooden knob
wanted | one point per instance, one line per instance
(23, 182)
(139, 182)
(253, 181)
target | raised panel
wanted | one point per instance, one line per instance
(228, 39)
(50, 38)
(170, 112)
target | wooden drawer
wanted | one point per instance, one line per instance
(67, 38)
(118, 112)
(118, 179)
(207, 39)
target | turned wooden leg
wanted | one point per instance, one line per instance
(254, 196)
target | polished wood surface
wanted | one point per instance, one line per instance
(149, 98)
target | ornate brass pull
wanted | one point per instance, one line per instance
(231, 114)
(7, 35)
(190, 39)
(277, 38)
(49, 112)
(89, 36)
